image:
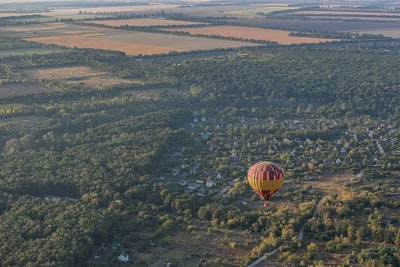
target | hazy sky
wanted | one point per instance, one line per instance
(31, 1)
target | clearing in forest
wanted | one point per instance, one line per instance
(331, 184)
(22, 88)
(79, 75)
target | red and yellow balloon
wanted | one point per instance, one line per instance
(265, 178)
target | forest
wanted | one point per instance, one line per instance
(89, 175)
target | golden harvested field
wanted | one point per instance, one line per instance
(281, 37)
(143, 22)
(130, 42)
(78, 76)
(139, 43)
(92, 41)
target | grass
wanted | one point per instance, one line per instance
(30, 51)
(22, 88)
(56, 18)
(394, 33)
(10, 108)
(23, 122)
(254, 11)
(143, 22)
(79, 75)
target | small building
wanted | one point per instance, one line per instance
(97, 257)
(123, 257)
(115, 245)
(210, 183)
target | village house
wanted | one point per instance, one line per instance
(124, 257)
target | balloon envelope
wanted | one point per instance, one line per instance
(265, 178)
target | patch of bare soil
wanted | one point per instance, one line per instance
(331, 184)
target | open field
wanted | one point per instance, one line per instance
(394, 33)
(139, 43)
(143, 22)
(26, 88)
(193, 9)
(318, 25)
(46, 17)
(351, 18)
(22, 122)
(281, 37)
(77, 76)
(331, 184)
(11, 14)
(245, 10)
(239, 11)
(142, 43)
(251, 11)
(347, 13)
(130, 42)
(48, 29)
(112, 9)
(30, 51)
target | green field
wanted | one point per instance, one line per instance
(256, 10)
(30, 51)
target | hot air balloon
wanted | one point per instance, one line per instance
(265, 178)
